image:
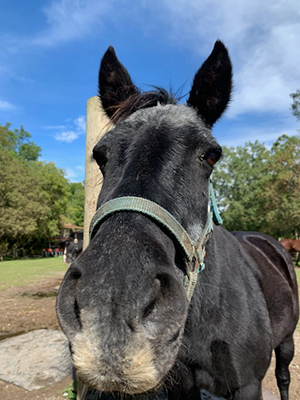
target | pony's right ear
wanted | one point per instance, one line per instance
(210, 93)
(115, 84)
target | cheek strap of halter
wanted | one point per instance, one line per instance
(194, 252)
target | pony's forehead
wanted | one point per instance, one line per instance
(175, 115)
(180, 123)
(177, 119)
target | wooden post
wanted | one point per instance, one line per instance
(97, 124)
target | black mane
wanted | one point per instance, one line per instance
(138, 101)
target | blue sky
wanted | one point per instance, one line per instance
(50, 53)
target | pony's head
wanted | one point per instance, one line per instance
(123, 303)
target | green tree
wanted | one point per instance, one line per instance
(17, 141)
(282, 199)
(296, 104)
(55, 187)
(258, 189)
(240, 179)
(33, 194)
(23, 207)
(75, 209)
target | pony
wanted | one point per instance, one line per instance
(164, 301)
(73, 246)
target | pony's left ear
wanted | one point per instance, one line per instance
(210, 93)
(115, 84)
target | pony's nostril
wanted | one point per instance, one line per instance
(75, 273)
(174, 337)
(149, 309)
(132, 324)
(153, 300)
(77, 313)
(164, 282)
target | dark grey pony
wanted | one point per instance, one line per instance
(124, 303)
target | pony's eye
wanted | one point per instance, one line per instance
(99, 155)
(212, 158)
(102, 167)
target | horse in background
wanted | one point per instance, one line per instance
(73, 246)
(292, 246)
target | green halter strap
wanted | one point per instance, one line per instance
(194, 252)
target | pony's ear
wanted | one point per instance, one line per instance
(210, 93)
(115, 84)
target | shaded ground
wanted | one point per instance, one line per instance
(32, 307)
(27, 308)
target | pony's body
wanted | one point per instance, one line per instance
(214, 355)
(123, 304)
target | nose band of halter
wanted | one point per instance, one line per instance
(194, 252)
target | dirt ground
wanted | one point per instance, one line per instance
(32, 307)
(24, 309)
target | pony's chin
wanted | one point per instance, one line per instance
(119, 385)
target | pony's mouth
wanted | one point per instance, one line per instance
(121, 385)
(130, 370)
(111, 383)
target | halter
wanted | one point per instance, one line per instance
(194, 252)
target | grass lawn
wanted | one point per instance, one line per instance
(22, 272)
(298, 275)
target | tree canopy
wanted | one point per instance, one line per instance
(281, 197)
(296, 104)
(75, 208)
(239, 180)
(17, 141)
(258, 189)
(33, 194)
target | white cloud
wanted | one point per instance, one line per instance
(69, 135)
(56, 127)
(262, 38)
(6, 106)
(68, 20)
(80, 123)
(70, 174)
(75, 175)
(269, 73)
